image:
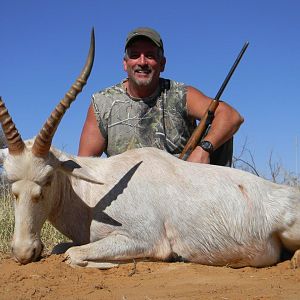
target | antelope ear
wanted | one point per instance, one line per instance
(3, 155)
(72, 168)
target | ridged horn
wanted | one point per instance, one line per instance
(43, 141)
(15, 143)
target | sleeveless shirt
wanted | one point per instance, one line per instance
(159, 121)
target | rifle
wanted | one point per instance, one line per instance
(205, 123)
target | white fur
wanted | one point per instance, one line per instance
(146, 203)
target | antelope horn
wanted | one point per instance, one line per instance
(43, 141)
(15, 143)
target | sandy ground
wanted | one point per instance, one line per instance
(51, 278)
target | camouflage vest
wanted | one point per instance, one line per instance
(159, 121)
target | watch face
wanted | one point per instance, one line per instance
(207, 146)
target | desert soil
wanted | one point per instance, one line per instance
(51, 278)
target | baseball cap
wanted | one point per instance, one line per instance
(147, 32)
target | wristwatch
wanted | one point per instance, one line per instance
(207, 146)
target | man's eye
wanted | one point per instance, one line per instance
(133, 56)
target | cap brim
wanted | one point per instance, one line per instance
(136, 36)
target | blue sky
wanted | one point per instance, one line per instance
(44, 46)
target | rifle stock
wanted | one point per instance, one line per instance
(205, 122)
(200, 130)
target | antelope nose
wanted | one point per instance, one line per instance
(26, 255)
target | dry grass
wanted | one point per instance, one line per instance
(6, 218)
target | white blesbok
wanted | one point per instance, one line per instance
(143, 203)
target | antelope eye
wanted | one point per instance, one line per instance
(48, 181)
(37, 198)
(15, 192)
(36, 193)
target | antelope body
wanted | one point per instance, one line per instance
(143, 203)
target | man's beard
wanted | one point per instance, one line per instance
(144, 81)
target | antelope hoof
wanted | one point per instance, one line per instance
(295, 261)
(73, 258)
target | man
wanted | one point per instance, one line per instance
(146, 110)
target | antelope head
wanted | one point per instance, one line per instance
(30, 166)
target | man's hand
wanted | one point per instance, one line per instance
(199, 155)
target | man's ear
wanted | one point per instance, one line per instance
(162, 64)
(124, 64)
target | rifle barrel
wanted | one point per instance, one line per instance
(204, 124)
(222, 88)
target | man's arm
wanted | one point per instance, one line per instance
(92, 143)
(225, 123)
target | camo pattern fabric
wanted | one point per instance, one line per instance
(159, 121)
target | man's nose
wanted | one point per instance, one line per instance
(142, 60)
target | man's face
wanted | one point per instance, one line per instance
(143, 63)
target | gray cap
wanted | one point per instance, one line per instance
(147, 32)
